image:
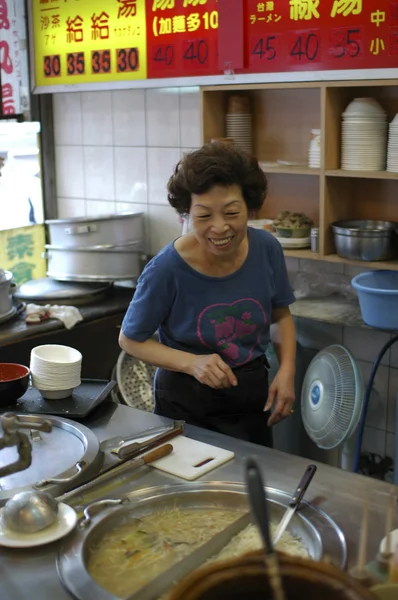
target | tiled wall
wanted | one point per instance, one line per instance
(116, 150)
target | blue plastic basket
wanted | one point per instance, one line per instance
(378, 298)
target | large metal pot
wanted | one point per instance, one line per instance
(94, 263)
(366, 240)
(319, 533)
(115, 230)
(6, 306)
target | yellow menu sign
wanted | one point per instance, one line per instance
(81, 41)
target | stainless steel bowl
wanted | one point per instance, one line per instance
(366, 240)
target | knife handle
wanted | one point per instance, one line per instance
(303, 486)
(157, 453)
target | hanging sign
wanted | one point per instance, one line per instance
(303, 35)
(80, 41)
(182, 38)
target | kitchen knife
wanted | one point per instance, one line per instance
(162, 584)
(117, 470)
(294, 503)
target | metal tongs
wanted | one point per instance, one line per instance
(131, 449)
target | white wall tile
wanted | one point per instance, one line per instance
(69, 171)
(392, 400)
(163, 117)
(394, 355)
(69, 208)
(130, 174)
(378, 404)
(161, 162)
(97, 118)
(97, 207)
(318, 335)
(128, 113)
(374, 440)
(190, 119)
(164, 227)
(67, 119)
(365, 344)
(99, 173)
(128, 207)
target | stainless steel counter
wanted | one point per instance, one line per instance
(31, 574)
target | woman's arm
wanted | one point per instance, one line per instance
(209, 369)
(281, 392)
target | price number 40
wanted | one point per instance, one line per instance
(196, 52)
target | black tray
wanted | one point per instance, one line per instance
(90, 394)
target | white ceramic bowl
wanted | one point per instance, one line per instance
(56, 394)
(55, 354)
(365, 107)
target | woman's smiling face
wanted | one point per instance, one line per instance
(219, 219)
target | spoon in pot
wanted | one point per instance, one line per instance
(259, 508)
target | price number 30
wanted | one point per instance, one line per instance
(52, 65)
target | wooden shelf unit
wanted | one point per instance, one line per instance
(283, 116)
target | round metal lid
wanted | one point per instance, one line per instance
(70, 454)
(51, 289)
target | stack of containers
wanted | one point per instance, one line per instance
(106, 248)
(238, 122)
(55, 370)
(314, 152)
(392, 151)
(364, 136)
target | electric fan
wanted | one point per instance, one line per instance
(332, 401)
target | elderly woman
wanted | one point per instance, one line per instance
(215, 295)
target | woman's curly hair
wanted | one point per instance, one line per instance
(216, 164)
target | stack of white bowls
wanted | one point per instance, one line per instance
(314, 152)
(364, 136)
(238, 122)
(392, 151)
(55, 370)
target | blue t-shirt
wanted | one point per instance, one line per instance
(200, 314)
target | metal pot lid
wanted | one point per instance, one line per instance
(109, 217)
(51, 289)
(70, 454)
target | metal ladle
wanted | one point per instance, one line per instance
(258, 504)
(29, 512)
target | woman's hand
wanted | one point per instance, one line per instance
(281, 396)
(211, 370)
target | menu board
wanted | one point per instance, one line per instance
(80, 41)
(182, 38)
(84, 41)
(292, 35)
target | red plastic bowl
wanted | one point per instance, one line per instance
(14, 381)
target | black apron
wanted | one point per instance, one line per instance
(235, 411)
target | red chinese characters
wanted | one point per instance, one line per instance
(5, 57)
(181, 37)
(320, 34)
(7, 97)
(4, 20)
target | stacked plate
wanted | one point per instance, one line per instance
(314, 152)
(55, 370)
(239, 128)
(294, 243)
(392, 152)
(364, 136)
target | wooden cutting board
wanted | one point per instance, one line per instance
(191, 459)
